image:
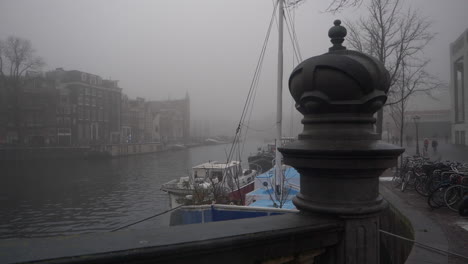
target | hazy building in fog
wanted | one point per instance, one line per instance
(75, 108)
(155, 121)
(133, 120)
(458, 93)
(200, 130)
(431, 124)
(35, 112)
(88, 110)
(168, 121)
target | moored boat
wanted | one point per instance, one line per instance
(211, 182)
(262, 160)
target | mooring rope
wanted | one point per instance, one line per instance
(424, 245)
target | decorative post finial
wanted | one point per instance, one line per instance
(338, 154)
(338, 94)
(337, 34)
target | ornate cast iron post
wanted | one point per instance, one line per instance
(338, 154)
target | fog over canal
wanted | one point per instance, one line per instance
(49, 198)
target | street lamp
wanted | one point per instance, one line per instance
(416, 122)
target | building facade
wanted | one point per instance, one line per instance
(168, 121)
(133, 120)
(434, 124)
(75, 108)
(88, 110)
(458, 93)
(155, 121)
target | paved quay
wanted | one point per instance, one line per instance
(440, 228)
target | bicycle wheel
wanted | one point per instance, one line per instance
(434, 182)
(406, 181)
(436, 198)
(421, 186)
(454, 196)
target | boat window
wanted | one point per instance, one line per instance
(217, 175)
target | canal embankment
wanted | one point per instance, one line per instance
(90, 152)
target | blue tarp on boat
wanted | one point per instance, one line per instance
(269, 204)
(213, 213)
(263, 195)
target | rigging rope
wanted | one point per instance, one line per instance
(153, 216)
(253, 85)
(295, 46)
(294, 34)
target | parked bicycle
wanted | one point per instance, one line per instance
(445, 184)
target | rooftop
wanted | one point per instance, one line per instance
(216, 165)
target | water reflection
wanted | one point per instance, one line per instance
(51, 198)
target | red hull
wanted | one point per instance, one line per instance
(240, 193)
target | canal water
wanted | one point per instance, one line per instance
(50, 198)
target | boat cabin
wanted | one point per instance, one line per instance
(215, 171)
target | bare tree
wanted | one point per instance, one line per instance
(413, 80)
(334, 6)
(17, 57)
(392, 35)
(337, 5)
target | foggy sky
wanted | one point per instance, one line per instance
(209, 48)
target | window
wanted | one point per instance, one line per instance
(84, 77)
(459, 83)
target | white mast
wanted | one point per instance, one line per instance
(279, 109)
